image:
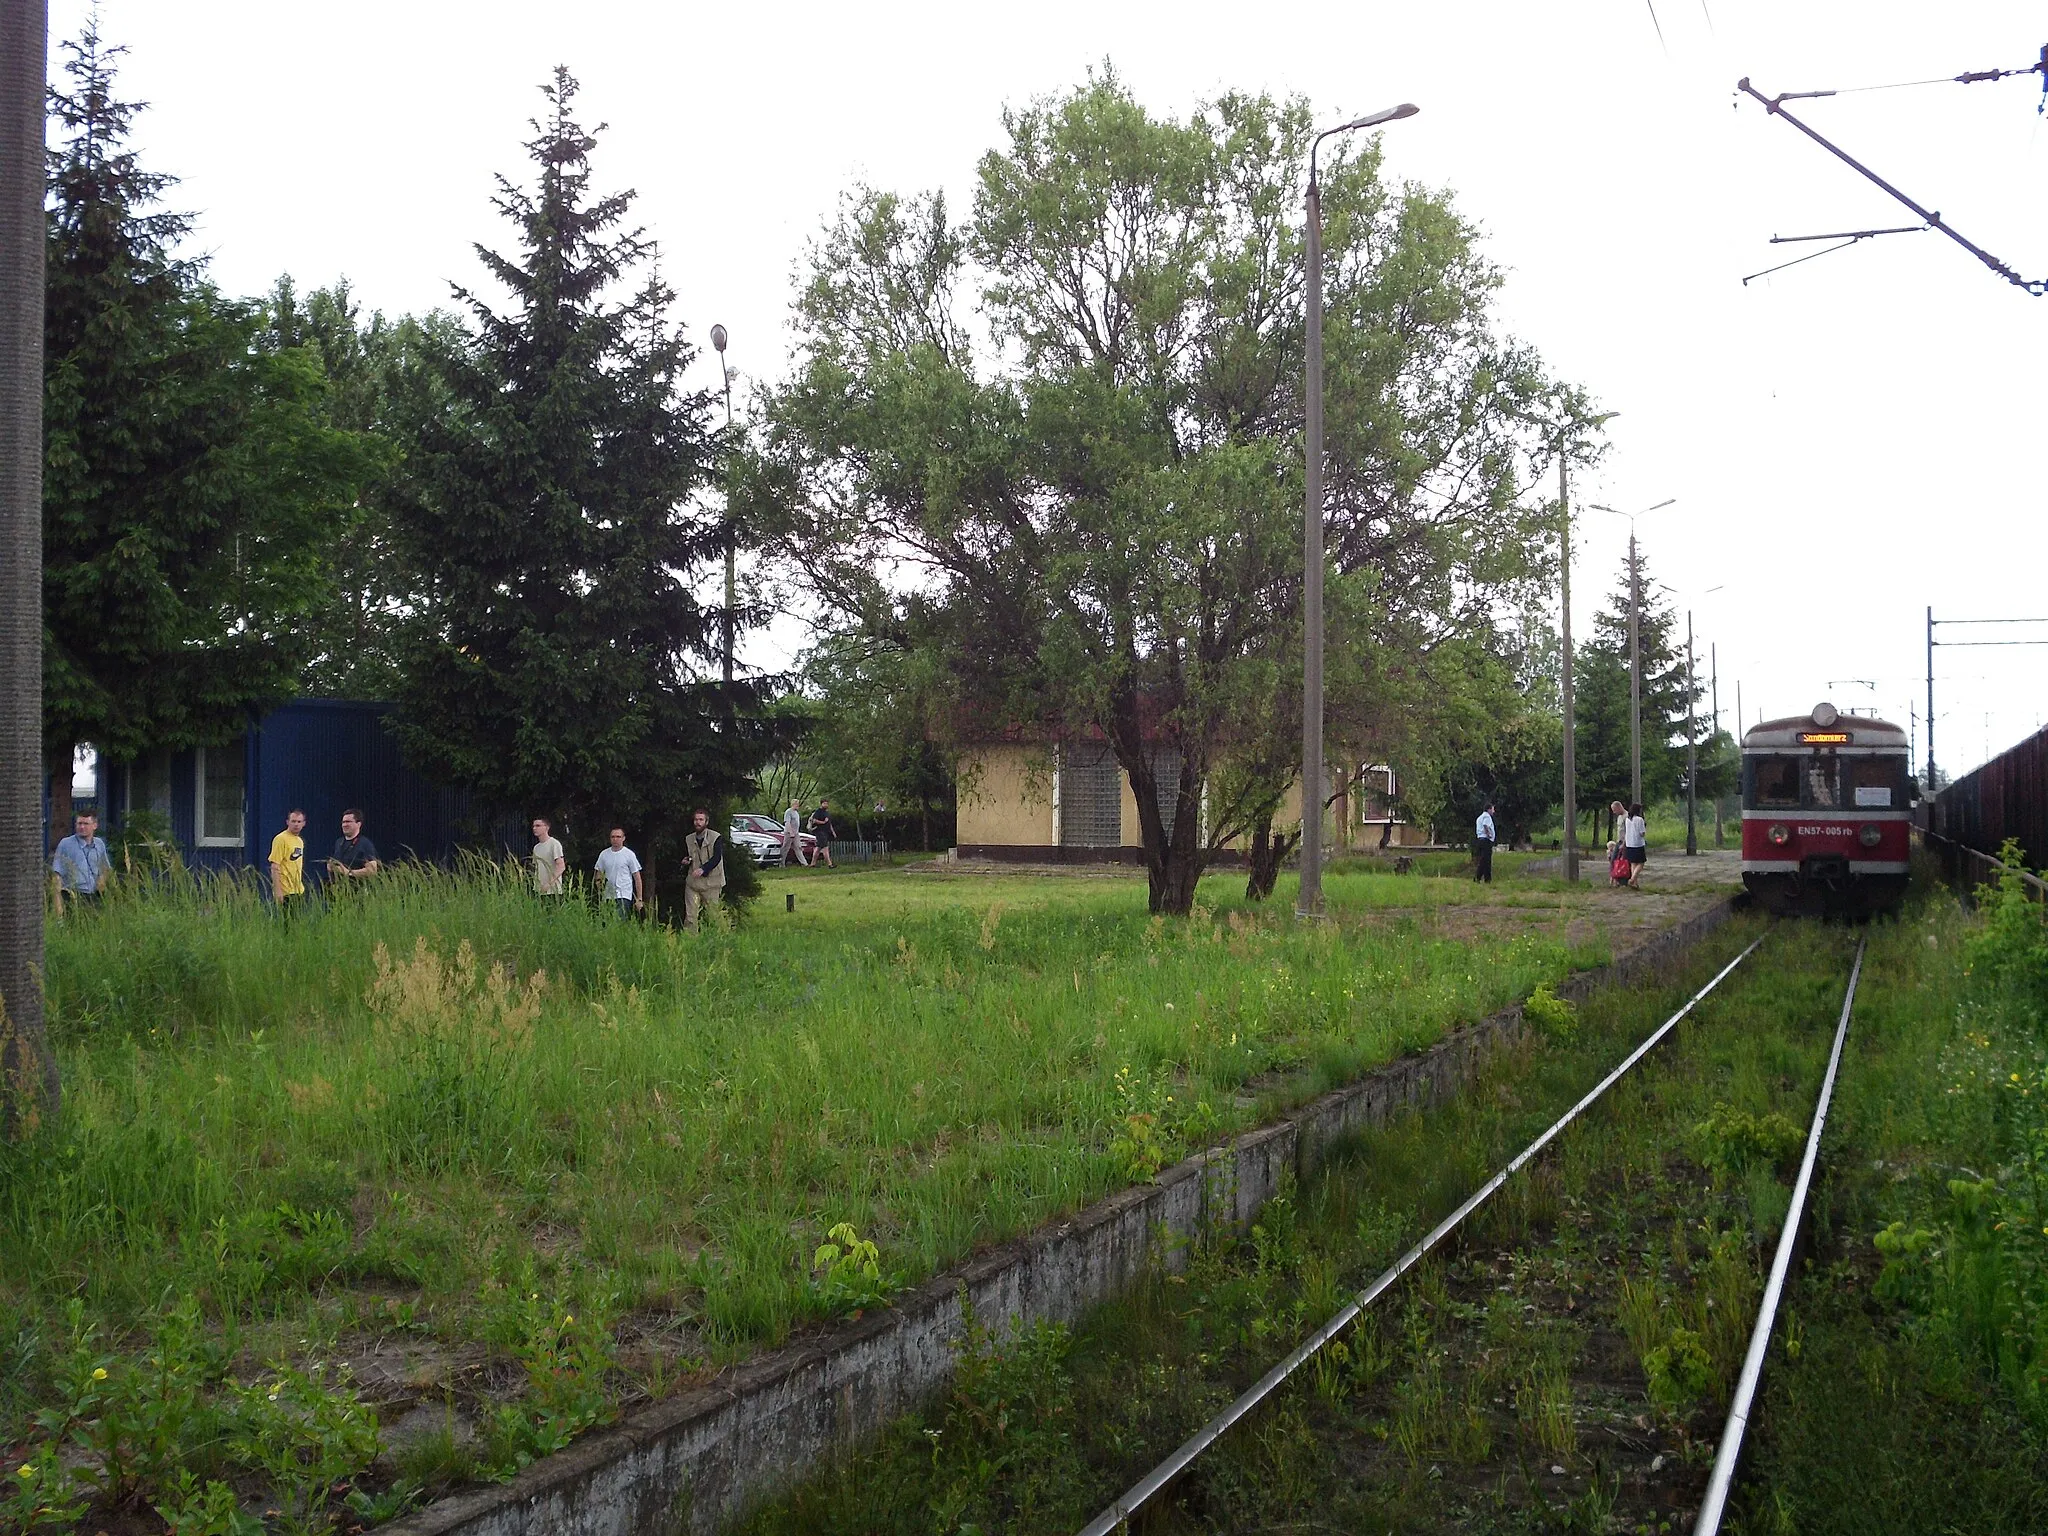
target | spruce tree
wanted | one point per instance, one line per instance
(548, 514)
(189, 482)
(1602, 696)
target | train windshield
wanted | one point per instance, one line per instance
(1823, 775)
(1775, 783)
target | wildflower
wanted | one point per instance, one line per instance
(568, 1319)
(99, 1373)
(26, 1470)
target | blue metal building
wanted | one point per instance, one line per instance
(321, 756)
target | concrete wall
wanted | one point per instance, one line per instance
(700, 1461)
(1006, 796)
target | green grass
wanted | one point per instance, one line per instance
(1498, 1390)
(1565, 1367)
(437, 1119)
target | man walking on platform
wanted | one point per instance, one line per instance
(1482, 846)
(704, 885)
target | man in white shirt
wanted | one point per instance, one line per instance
(1482, 846)
(618, 871)
(549, 864)
(793, 835)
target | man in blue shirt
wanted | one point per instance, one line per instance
(1482, 845)
(80, 868)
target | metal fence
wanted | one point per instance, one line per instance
(2006, 798)
(859, 852)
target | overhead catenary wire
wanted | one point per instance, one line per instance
(1967, 77)
(1141, 1492)
(1775, 105)
(1729, 1454)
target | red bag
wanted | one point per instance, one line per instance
(1619, 870)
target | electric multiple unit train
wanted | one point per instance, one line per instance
(1827, 803)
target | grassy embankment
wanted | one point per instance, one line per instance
(447, 1146)
(1566, 1367)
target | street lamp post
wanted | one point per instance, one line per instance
(1310, 901)
(718, 339)
(1564, 548)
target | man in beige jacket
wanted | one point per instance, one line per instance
(705, 883)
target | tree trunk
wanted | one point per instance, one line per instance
(1268, 851)
(28, 1073)
(1342, 800)
(61, 814)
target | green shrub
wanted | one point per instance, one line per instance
(1680, 1370)
(1555, 1016)
(1731, 1141)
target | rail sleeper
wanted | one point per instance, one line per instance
(701, 1460)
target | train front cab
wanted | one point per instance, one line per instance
(1826, 814)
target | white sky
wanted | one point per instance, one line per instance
(1847, 440)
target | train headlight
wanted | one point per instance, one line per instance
(1870, 836)
(1779, 834)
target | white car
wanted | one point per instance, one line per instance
(759, 846)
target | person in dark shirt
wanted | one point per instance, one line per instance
(821, 828)
(354, 856)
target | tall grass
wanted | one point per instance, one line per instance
(414, 1097)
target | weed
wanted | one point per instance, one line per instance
(41, 1494)
(1680, 1370)
(1555, 1016)
(565, 1361)
(307, 1437)
(191, 1507)
(1731, 1141)
(1137, 1149)
(847, 1272)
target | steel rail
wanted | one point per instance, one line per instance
(1723, 1479)
(1140, 1492)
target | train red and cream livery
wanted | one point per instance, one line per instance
(1827, 801)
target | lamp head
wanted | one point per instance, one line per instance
(1388, 115)
(718, 338)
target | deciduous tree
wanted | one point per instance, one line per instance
(1092, 514)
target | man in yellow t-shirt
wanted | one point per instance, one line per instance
(288, 865)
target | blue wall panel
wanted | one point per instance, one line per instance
(320, 756)
(323, 757)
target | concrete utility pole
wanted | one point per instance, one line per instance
(28, 1071)
(1714, 673)
(1692, 755)
(1635, 678)
(1930, 699)
(1310, 901)
(1571, 767)
(718, 339)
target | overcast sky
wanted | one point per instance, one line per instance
(1849, 441)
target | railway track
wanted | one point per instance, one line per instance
(1148, 1491)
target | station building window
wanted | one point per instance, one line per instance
(217, 794)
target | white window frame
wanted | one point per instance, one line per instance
(202, 836)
